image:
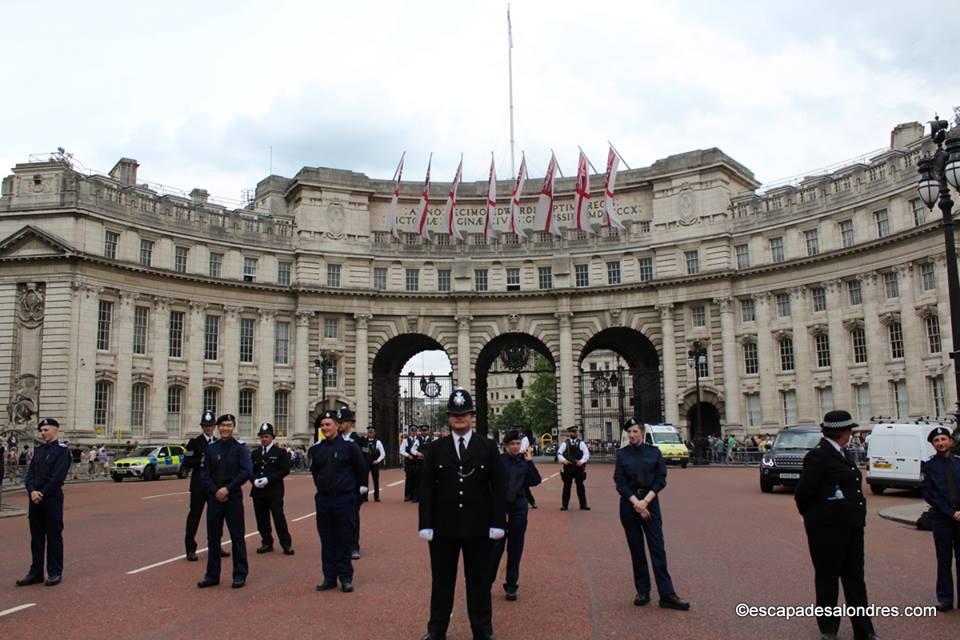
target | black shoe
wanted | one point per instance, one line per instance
(584, 508)
(192, 556)
(430, 636)
(377, 499)
(871, 636)
(29, 579)
(52, 581)
(207, 582)
(563, 508)
(944, 606)
(238, 583)
(288, 551)
(642, 600)
(533, 505)
(346, 586)
(672, 601)
(224, 553)
(327, 585)
(355, 555)
(511, 593)
(408, 499)
(267, 548)
(828, 636)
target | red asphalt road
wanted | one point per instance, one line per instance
(727, 543)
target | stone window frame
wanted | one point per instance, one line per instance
(334, 275)
(284, 272)
(215, 264)
(742, 252)
(247, 343)
(818, 298)
(481, 280)
(444, 280)
(380, 275)
(174, 328)
(141, 330)
(110, 248)
(614, 272)
(847, 233)
(181, 257)
(105, 325)
(211, 336)
(751, 357)
(891, 285)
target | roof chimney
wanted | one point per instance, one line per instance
(125, 172)
(199, 196)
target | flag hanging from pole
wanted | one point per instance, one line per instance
(449, 209)
(424, 204)
(613, 161)
(395, 200)
(488, 231)
(515, 198)
(581, 198)
(545, 220)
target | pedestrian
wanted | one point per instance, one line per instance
(76, 455)
(103, 460)
(940, 485)
(834, 511)
(520, 474)
(573, 455)
(524, 447)
(411, 466)
(345, 427)
(44, 483)
(375, 455)
(339, 475)
(271, 464)
(92, 462)
(226, 467)
(640, 475)
(462, 508)
(193, 460)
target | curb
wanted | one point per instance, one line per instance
(904, 514)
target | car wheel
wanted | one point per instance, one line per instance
(117, 478)
(182, 473)
(150, 473)
(878, 489)
(766, 486)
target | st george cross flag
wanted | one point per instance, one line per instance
(491, 209)
(581, 198)
(546, 220)
(515, 199)
(394, 201)
(613, 161)
(451, 204)
(424, 204)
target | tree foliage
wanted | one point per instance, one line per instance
(540, 398)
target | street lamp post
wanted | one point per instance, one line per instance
(696, 357)
(323, 367)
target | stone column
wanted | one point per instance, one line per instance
(842, 394)
(123, 346)
(83, 355)
(803, 353)
(731, 372)
(671, 410)
(568, 416)
(195, 333)
(362, 378)
(914, 343)
(463, 351)
(301, 373)
(160, 316)
(878, 348)
(230, 356)
(768, 352)
(946, 335)
(265, 344)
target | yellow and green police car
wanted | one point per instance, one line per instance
(150, 462)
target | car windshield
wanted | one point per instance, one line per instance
(796, 440)
(666, 438)
(143, 452)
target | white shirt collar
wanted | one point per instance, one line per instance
(267, 448)
(835, 445)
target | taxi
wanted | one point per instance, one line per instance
(150, 462)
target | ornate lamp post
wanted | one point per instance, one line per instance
(696, 357)
(323, 367)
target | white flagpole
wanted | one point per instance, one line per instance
(513, 170)
(592, 168)
(619, 155)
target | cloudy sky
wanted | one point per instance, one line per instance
(200, 92)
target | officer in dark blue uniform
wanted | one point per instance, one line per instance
(640, 475)
(941, 489)
(345, 427)
(226, 468)
(44, 482)
(196, 448)
(271, 464)
(339, 474)
(521, 474)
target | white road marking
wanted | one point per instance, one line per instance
(304, 517)
(553, 476)
(163, 495)
(393, 484)
(15, 609)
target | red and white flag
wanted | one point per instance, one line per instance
(613, 161)
(488, 231)
(424, 204)
(395, 200)
(581, 197)
(515, 198)
(450, 207)
(545, 220)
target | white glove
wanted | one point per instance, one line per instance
(426, 534)
(260, 483)
(363, 491)
(496, 534)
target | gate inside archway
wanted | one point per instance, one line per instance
(704, 420)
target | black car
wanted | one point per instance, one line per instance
(783, 463)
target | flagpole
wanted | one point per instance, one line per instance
(592, 168)
(619, 155)
(510, 66)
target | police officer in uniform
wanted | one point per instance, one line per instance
(193, 459)
(44, 481)
(520, 474)
(375, 455)
(941, 490)
(226, 468)
(462, 508)
(345, 427)
(411, 466)
(573, 454)
(829, 497)
(339, 475)
(640, 475)
(271, 464)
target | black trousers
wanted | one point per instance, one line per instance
(356, 538)
(46, 535)
(198, 499)
(637, 529)
(946, 540)
(444, 557)
(569, 474)
(230, 512)
(375, 474)
(512, 542)
(335, 524)
(263, 507)
(837, 554)
(411, 486)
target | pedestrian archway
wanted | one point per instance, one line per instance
(703, 419)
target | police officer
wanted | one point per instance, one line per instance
(375, 455)
(193, 459)
(411, 466)
(462, 508)
(44, 481)
(573, 454)
(520, 474)
(271, 464)
(640, 475)
(941, 489)
(345, 427)
(339, 475)
(226, 468)
(834, 511)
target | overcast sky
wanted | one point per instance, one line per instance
(199, 92)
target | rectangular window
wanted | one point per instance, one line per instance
(743, 256)
(919, 212)
(822, 343)
(581, 275)
(104, 323)
(413, 280)
(932, 324)
(174, 409)
(693, 261)
(175, 349)
(813, 242)
(281, 412)
(245, 412)
(939, 396)
(858, 337)
(891, 284)
(333, 276)
(699, 315)
(783, 305)
(788, 400)
(819, 295)
(331, 327)
(786, 354)
(613, 272)
(861, 396)
(380, 278)
(895, 333)
(646, 269)
(330, 374)
(480, 279)
(140, 319)
(180, 259)
(854, 292)
(545, 277)
(443, 280)
(754, 414)
(146, 252)
(751, 360)
(211, 400)
(747, 310)
(776, 250)
(513, 279)
(644, 226)
(101, 404)
(928, 280)
(825, 400)
(211, 338)
(110, 240)
(216, 265)
(281, 340)
(246, 339)
(846, 233)
(283, 273)
(138, 406)
(883, 222)
(898, 389)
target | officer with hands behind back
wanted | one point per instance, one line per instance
(271, 464)
(193, 459)
(940, 485)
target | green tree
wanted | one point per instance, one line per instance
(540, 399)
(439, 417)
(513, 416)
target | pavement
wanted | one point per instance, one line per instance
(905, 513)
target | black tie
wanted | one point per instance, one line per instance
(953, 497)
(462, 449)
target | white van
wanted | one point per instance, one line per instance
(895, 450)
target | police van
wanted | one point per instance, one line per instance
(150, 462)
(666, 438)
(895, 450)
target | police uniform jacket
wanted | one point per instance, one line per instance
(196, 448)
(337, 466)
(829, 493)
(48, 469)
(934, 485)
(274, 466)
(465, 500)
(640, 469)
(525, 475)
(226, 464)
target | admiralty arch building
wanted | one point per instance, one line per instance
(127, 309)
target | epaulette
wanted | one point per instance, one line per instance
(62, 445)
(929, 458)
